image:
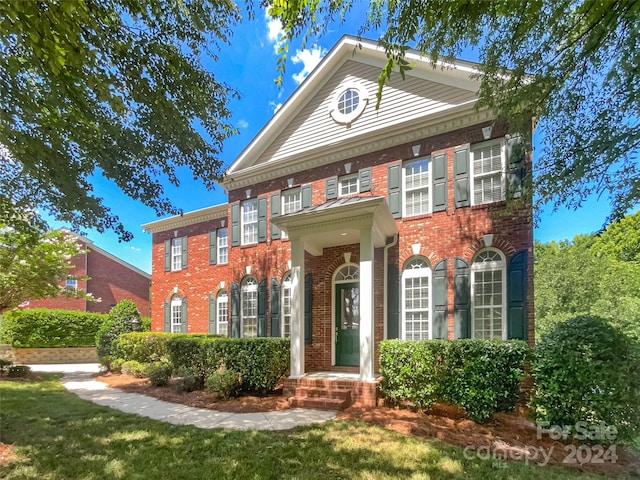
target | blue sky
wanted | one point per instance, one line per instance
(248, 64)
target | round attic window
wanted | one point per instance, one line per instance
(348, 103)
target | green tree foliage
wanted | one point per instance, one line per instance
(621, 239)
(571, 64)
(113, 88)
(121, 320)
(587, 277)
(35, 265)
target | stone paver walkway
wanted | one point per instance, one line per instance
(82, 384)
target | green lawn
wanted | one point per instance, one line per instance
(60, 436)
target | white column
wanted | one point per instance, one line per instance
(366, 305)
(297, 308)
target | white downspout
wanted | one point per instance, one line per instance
(385, 277)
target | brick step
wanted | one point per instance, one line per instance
(319, 403)
(320, 392)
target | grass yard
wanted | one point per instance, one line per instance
(58, 436)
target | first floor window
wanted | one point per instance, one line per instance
(249, 304)
(415, 176)
(487, 161)
(250, 222)
(223, 245)
(222, 313)
(416, 301)
(488, 295)
(286, 305)
(176, 314)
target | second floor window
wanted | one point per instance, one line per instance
(223, 245)
(348, 185)
(487, 168)
(416, 180)
(176, 253)
(250, 222)
(291, 201)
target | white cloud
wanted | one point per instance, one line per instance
(135, 249)
(309, 60)
(275, 106)
(243, 124)
(275, 33)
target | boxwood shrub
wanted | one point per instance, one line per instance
(482, 377)
(43, 327)
(144, 347)
(260, 362)
(586, 370)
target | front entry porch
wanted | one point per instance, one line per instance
(363, 222)
(330, 391)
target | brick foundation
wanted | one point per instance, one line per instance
(362, 393)
(55, 355)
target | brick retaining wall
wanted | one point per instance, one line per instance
(55, 355)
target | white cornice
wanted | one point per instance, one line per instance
(361, 145)
(189, 218)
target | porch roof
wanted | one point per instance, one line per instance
(340, 222)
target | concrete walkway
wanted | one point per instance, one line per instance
(79, 380)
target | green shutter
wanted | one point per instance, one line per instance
(462, 299)
(461, 177)
(184, 252)
(393, 301)
(394, 189)
(440, 299)
(262, 308)
(275, 308)
(212, 314)
(167, 316)
(308, 298)
(167, 255)
(235, 310)
(184, 315)
(515, 166)
(275, 212)
(213, 247)
(364, 179)
(305, 193)
(262, 219)
(439, 168)
(331, 188)
(517, 296)
(235, 224)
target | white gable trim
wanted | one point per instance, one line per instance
(189, 218)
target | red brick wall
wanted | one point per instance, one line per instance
(448, 234)
(79, 269)
(195, 282)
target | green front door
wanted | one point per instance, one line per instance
(348, 324)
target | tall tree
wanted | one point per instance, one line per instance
(572, 64)
(35, 265)
(112, 88)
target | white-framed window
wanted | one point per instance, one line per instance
(291, 202)
(176, 314)
(250, 221)
(348, 103)
(286, 304)
(176, 254)
(223, 245)
(348, 185)
(489, 295)
(71, 284)
(222, 313)
(417, 194)
(487, 167)
(249, 304)
(416, 300)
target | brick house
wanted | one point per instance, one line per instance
(346, 225)
(110, 279)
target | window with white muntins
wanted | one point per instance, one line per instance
(286, 304)
(416, 300)
(176, 253)
(176, 314)
(250, 222)
(416, 181)
(222, 313)
(249, 304)
(488, 167)
(488, 295)
(223, 245)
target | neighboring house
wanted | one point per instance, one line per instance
(347, 225)
(110, 280)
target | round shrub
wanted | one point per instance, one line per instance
(120, 320)
(135, 369)
(159, 373)
(586, 370)
(225, 383)
(18, 371)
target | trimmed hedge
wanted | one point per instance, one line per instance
(261, 362)
(143, 347)
(586, 370)
(120, 320)
(482, 377)
(44, 327)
